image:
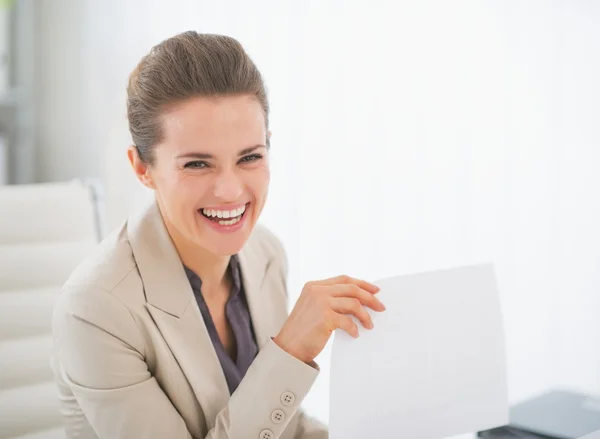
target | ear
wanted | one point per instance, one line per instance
(141, 169)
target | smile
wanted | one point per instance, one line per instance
(225, 217)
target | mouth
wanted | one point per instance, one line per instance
(225, 217)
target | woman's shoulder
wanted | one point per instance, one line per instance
(108, 263)
(106, 278)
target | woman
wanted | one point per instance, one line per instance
(177, 326)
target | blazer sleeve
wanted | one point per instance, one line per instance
(100, 354)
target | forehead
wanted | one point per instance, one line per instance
(210, 124)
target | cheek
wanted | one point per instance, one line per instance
(173, 187)
(179, 190)
(261, 182)
(164, 179)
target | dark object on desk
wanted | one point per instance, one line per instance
(553, 415)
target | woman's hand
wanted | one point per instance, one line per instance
(322, 307)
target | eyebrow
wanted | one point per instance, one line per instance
(201, 155)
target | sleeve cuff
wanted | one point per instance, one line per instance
(271, 392)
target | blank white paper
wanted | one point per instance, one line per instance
(434, 365)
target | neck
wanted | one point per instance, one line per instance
(211, 268)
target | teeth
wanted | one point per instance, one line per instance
(224, 213)
(230, 222)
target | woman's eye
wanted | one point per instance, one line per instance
(251, 158)
(198, 164)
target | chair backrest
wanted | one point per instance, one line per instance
(45, 231)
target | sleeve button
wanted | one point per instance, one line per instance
(277, 416)
(287, 398)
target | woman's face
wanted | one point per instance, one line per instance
(211, 172)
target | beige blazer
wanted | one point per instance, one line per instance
(133, 359)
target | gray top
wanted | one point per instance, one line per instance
(238, 315)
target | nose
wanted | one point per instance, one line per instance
(228, 186)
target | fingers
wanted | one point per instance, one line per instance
(373, 289)
(348, 305)
(354, 291)
(346, 323)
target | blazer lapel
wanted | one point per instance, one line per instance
(265, 294)
(253, 266)
(171, 303)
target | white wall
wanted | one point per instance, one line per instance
(407, 137)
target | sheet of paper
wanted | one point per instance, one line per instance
(434, 365)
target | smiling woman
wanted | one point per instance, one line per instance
(177, 325)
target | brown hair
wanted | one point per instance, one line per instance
(185, 66)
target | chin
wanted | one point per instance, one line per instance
(223, 246)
